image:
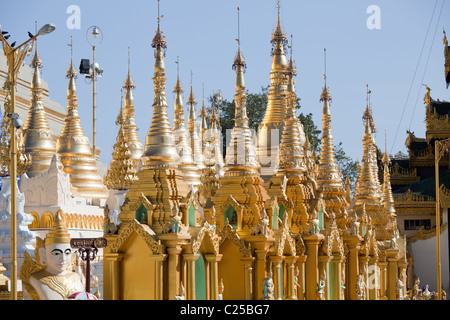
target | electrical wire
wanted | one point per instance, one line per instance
(426, 65)
(415, 72)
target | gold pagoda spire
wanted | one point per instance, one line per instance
(37, 136)
(367, 187)
(192, 127)
(129, 124)
(291, 182)
(373, 151)
(159, 143)
(272, 124)
(74, 148)
(368, 192)
(329, 176)
(328, 172)
(179, 127)
(292, 155)
(215, 133)
(122, 168)
(241, 180)
(241, 152)
(387, 189)
(203, 115)
(185, 162)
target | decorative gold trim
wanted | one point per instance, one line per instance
(144, 231)
(444, 197)
(229, 233)
(209, 230)
(423, 234)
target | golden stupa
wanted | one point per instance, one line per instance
(272, 124)
(193, 130)
(296, 234)
(74, 148)
(129, 125)
(37, 136)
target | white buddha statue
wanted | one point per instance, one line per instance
(51, 276)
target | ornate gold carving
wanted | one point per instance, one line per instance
(333, 242)
(209, 230)
(122, 168)
(423, 234)
(229, 233)
(444, 196)
(147, 234)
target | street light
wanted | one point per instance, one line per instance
(15, 57)
(94, 36)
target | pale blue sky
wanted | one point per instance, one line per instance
(203, 32)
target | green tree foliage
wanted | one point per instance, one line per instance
(348, 166)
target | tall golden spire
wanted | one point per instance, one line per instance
(122, 168)
(185, 162)
(241, 152)
(215, 133)
(290, 181)
(367, 191)
(129, 125)
(292, 155)
(241, 180)
(367, 187)
(159, 143)
(203, 115)
(74, 148)
(272, 124)
(192, 126)
(328, 173)
(38, 138)
(160, 182)
(373, 151)
(387, 189)
(179, 126)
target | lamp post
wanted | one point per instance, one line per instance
(15, 56)
(94, 38)
(440, 147)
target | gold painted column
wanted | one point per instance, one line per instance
(159, 271)
(190, 259)
(312, 243)
(277, 262)
(213, 275)
(354, 245)
(290, 273)
(324, 266)
(364, 265)
(402, 264)
(392, 273)
(114, 290)
(173, 271)
(336, 277)
(383, 280)
(248, 277)
(301, 292)
(260, 270)
(373, 274)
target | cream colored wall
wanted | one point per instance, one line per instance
(425, 260)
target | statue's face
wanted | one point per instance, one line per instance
(58, 257)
